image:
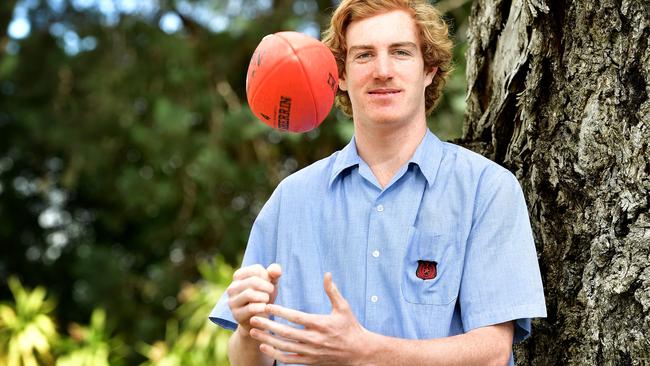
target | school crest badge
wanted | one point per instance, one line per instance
(426, 270)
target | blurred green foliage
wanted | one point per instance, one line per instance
(26, 329)
(29, 337)
(128, 157)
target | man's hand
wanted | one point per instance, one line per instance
(252, 288)
(334, 339)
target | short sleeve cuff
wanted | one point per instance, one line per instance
(221, 315)
(522, 315)
(224, 323)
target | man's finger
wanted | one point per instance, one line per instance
(284, 345)
(286, 358)
(294, 316)
(255, 283)
(283, 330)
(246, 312)
(248, 296)
(337, 300)
(275, 271)
(254, 270)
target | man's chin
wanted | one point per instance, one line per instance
(387, 118)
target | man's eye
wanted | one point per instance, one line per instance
(363, 55)
(402, 53)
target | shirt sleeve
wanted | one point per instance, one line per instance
(501, 280)
(261, 249)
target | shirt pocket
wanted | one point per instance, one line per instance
(422, 250)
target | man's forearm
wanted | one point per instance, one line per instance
(244, 350)
(483, 346)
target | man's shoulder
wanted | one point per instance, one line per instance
(473, 165)
(313, 177)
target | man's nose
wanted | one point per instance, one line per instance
(383, 67)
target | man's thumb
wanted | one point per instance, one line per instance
(332, 292)
(275, 271)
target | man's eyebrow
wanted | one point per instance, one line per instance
(364, 47)
(404, 44)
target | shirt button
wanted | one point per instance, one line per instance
(375, 253)
(374, 298)
(380, 208)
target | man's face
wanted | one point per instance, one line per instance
(384, 70)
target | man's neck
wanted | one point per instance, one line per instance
(385, 150)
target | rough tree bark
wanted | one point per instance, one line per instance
(558, 93)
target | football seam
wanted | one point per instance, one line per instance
(267, 75)
(304, 74)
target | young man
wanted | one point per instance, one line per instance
(429, 244)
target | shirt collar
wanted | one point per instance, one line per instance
(427, 157)
(346, 158)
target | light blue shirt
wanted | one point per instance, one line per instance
(446, 205)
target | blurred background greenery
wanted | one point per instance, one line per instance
(131, 169)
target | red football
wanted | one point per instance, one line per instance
(291, 81)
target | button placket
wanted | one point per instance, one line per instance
(375, 246)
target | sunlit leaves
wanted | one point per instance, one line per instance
(92, 344)
(191, 339)
(27, 332)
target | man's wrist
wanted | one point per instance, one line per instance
(244, 334)
(371, 349)
(245, 350)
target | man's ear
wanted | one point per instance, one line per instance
(343, 85)
(429, 76)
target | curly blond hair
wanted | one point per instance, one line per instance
(435, 44)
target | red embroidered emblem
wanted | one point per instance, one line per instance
(426, 270)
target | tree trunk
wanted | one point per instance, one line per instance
(558, 93)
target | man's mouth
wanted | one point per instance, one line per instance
(384, 91)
